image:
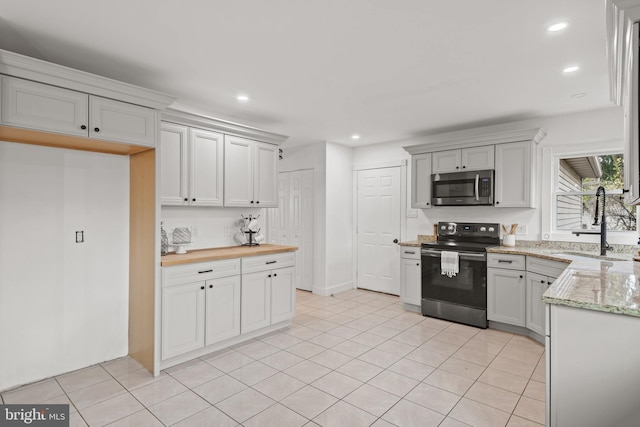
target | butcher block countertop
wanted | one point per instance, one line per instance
(214, 254)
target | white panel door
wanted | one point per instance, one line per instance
(173, 164)
(118, 121)
(265, 186)
(223, 309)
(238, 172)
(207, 166)
(283, 296)
(39, 106)
(378, 230)
(284, 208)
(183, 309)
(255, 304)
(506, 296)
(411, 280)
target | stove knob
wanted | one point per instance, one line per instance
(450, 228)
(491, 229)
(483, 228)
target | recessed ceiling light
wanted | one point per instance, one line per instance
(571, 69)
(557, 27)
(242, 98)
(355, 136)
(579, 95)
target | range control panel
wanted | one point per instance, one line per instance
(468, 229)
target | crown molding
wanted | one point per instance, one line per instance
(448, 141)
(223, 126)
(16, 65)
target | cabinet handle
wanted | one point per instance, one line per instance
(410, 252)
(83, 127)
(508, 261)
(201, 287)
(210, 286)
(205, 271)
(96, 129)
(271, 262)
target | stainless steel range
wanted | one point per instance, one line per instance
(459, 297)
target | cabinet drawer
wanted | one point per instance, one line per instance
(190, 273)
(545, 266)
(511, 262)
(268, 262)
(410, 252)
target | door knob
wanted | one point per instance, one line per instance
(395, 240)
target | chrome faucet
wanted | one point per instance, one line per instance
(600, 192)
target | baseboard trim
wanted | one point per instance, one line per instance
(325, 292)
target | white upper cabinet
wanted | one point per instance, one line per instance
(38, 106)
(468, 159)
(250, 173)
(48, 108)
(514, 175)
(118, 121)
(191, 166)
(421, 181)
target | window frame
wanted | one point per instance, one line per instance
(550, 166)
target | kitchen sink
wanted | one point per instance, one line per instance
(570, 254)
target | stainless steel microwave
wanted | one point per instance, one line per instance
(462, 188)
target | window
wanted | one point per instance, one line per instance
(575, 201)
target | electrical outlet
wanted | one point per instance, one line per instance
(412, 213)
(521, 230)
(79, 236)
(228, 231)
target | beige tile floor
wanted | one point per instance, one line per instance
(353, 359)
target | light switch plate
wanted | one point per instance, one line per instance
(521, 230)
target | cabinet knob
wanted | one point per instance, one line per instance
(257, 201)
(186, 200)
(457, 167)
(548, 283)
(210, 286)
(252, 202)
(83, 127)
(96, 129)
(269, 276)
(275, 274)
(497, 203)
(464, 167)
(193, 200)
(428, 203)
(418, 264)
(541, 281)
(521, 276)
(201, 287)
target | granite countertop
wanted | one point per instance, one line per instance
(214, 254)
(610, 284)
(418, 242)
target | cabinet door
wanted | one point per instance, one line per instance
(206, 167)
(238, 172)
(173, 164)
(421, 181)
(118, 121)
(265, 175)
(514, 175)
(223, 309)
(478, 158)
(38, 106)
(447, 161)
(182, 319)
(537, 284)
(506, 296)
(283, 294)
(255, 304)
(411, 280)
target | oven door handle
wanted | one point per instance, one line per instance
(433, 253)
(477, 186)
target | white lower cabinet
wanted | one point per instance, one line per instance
(223, 309)
(410, 276)
(183, 317)
(506, 289)
(206, 303)
(268, 297)
(537, 284)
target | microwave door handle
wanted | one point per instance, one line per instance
(477, 182)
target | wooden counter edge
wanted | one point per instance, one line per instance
(215, 254)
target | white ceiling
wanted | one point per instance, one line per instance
(323, 70)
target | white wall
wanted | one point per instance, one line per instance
(339, 218)
(604, 126)
(63, 305)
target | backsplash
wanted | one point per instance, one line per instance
(210, 227)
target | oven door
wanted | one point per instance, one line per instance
(467, 288)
